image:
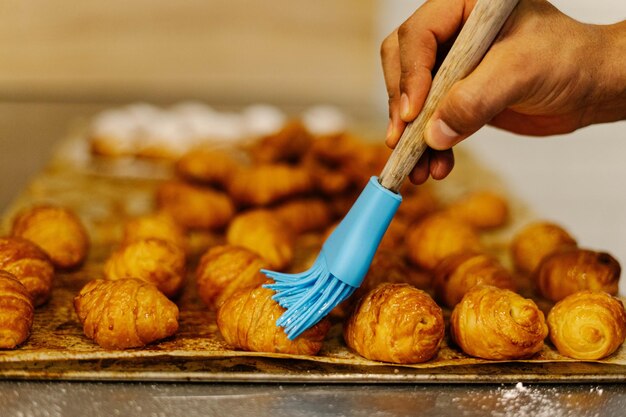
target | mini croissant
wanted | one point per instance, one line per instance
(225, 269)
(56, 230)
(536, 241)
(565, 272)
(158, 226)
(263, 233)
(247, 320)
(438, 236)
(498, 324)
(194, 207)
(459, 273)
(30, 265)
(16, 311)
(587, 325)
(152, 260)
(126, 313)
(395, 323)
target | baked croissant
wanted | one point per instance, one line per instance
(225, 269)
(587, 325)
(265, 184)
(457, 274)
(567, 271)
(207, 166)
(247, 320)
(195, 207)
(288, 144)
(395, 323)
(304, 215)
(152, 260)
(438, 236)
(125, 313)
(417, 202)
(482, 209)
(56, 230)
(263, 233)
(498, 324)
(536, 241)
(30, 265)
(154, 226)
(16, 311)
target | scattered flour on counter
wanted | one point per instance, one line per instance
(526, 401)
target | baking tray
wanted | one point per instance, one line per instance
(105, 193)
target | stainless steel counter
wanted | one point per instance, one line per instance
(50, 399)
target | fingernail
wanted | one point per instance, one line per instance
(405, 106)
(442, 136)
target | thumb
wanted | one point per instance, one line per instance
(471, 103)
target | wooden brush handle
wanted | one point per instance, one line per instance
(477, 34)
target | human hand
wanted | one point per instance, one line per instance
(545, 74)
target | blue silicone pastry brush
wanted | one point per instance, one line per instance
(347, 253)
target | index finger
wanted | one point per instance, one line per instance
(419, 37)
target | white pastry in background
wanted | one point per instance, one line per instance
(324, 120)
(113, 133)
(163, 137)
(263, 119)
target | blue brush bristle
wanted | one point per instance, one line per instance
(341, 265)
(308, 296)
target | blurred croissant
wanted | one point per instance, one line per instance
(587, 325)
(152, 260)
(158, 226)
(457, 274)
(56, 230)
(536, 241)
(247, 320)
(207, 166)
(30, 265)
(16, 311)
(567, 271)
(438, 236)
(483, 209)
(395, 323)
(195, 207)
(494, 323)
(265, 184)
(125, 313)
(263, 233)
(224, 269)
(305, 215)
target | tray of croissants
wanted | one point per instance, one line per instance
(136, 255)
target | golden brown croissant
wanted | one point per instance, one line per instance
(152, 260)
(570, 270)
(417, 202)
(16, 311)
(395, 323)
(30, 265)
(263, 233)
(457, 274)
(304, 215)
(247, 320)
(225, 269)
(207, 166)
(587, 325)
(535, 241)
(438, 236)
(154, 226)
(265, 184)
(195, 207)
(56, 230)
(288, 144)
(494, 323)
(481, 209)
(125, 313)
